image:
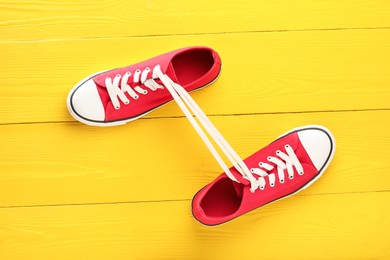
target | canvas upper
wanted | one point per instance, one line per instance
(90, 101)
(224, 199)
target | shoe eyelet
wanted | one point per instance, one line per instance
(138, 71)
(261, 187)
(301, 173)
(252, 170)
(108, 78)
(272, 184)
(281, 181)
(260, 164)
(269, 158)
(278, 152)
(127, 102)
(136, 97)
(117, 107)
(287, 146)
(128, 73)
(118, 75)
(145, 92)
(291, 177)
(147, 69)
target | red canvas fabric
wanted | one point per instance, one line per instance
(191, 67)
(223, 199)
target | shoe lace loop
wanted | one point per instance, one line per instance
(118, 86)
(281, 161)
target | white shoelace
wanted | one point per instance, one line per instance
(186, 103)
(117, 93)
(286, 161)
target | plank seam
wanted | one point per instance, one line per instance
(217, 115)
(176, 200)
(199, 34)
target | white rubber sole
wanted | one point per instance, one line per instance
(118, 122)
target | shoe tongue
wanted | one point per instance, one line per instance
(170, 71)
(239, 188)
(239, 176)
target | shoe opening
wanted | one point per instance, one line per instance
(192, 65)
(223, 199)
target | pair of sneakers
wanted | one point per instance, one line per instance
(289, 164)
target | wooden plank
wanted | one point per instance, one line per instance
(347, 226)
(37, 20)
(262, 72)
(164, 159)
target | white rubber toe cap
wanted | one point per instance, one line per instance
(319, 145)
(85, 102)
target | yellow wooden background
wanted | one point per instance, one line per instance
(70, 191)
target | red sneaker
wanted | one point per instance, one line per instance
(121, 95)
(289, 164)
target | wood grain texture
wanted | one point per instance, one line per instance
(37, 20)
(70, 191)
(262, 73)
(347, 226)
(164, 159)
